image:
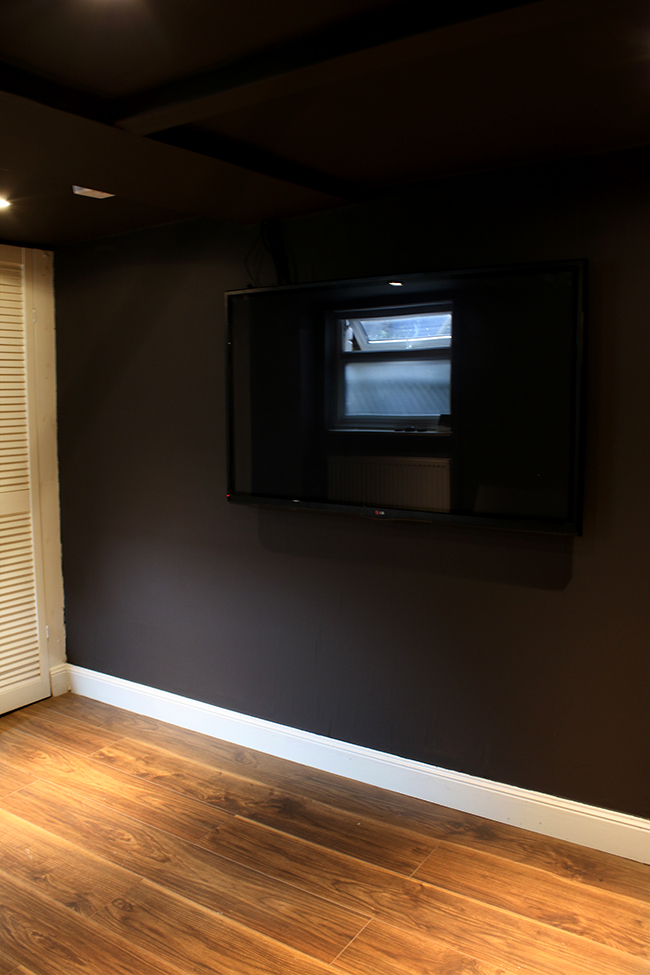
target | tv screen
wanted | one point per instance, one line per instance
(452, 396)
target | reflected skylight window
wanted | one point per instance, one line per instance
(397, 333)
(394, 369)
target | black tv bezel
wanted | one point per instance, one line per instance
(572, 526)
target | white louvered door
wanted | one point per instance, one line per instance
(24, 673)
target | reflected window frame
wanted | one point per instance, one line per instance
(352, 346)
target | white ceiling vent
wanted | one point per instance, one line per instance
(86, 191)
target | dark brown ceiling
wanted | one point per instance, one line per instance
(119, 47)
(259, 109)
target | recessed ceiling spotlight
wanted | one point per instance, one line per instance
(4, 204)
(95, 194)
(396, 284)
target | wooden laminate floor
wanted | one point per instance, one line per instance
(131, 847)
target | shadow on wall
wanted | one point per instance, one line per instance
(530, 559)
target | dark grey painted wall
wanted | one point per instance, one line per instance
(519, 658)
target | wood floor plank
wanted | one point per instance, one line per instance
(348, 794)
(390, 846)
(12, 778)
(50, 940)
(185, 933)
(593, 868)
(8, 964)
(380, 948)
(158, 807)
(98, 715)
(257, 766)
(282, 867)
(610, 919)
(58, 730)
(301, 920)
(58, 869)
(239, 760)
(479, 930)
(432, 821)
(435, 822)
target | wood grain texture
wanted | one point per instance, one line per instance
(269, 906)
(610, 919)
(58, 869)
(51, 940)
(12, 778)
(129, 845)
(57, 729)
(189, 935)
(431, 821)
(8, 964)
(95, 713)
(478, 929)
(558, 857)
(158, 807)
(381, 843)
(391, 951)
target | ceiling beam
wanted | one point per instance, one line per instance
(45, 91)
(200, 96)
(216, 146)
(365, 43)
(54, 144)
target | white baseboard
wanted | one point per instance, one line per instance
(59, 679)
(600, 829)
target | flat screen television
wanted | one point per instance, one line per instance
(446, 397)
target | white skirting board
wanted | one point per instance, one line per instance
(600, 829)
(59, 679)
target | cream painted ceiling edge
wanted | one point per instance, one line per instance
(32, 636)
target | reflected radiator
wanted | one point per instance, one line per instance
(419, 483)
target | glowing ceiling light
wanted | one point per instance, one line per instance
(396, 284)
(4, 204)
